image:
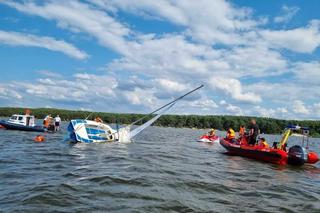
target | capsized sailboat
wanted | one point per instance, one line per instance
(88, 131)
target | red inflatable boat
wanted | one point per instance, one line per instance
(297, 155)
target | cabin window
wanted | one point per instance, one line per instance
(20, 118)
(14, 117)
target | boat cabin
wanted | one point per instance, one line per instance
(24, 120)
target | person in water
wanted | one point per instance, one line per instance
(57, 122)
(263, 143)
(254, 132)
(231, 135)
(242, 131)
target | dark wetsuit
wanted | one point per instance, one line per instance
(253, 137)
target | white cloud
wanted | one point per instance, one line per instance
(222, 102)
(204, 104)
(256, 60)
(179, 58)
(186, 61)
(264, 112)
(233, 88)
(158, 67)
(282, 110)
(207, 21)
(140, 97)
(149, 9)
(78, 89)
(285, 92)
(269, 112)
(98, 92)
(316, 109)
(8, 92)
(287, 14)
(307, 72)
(85, 109)
(234, 109)
(303, 39)
(20, 39)
(299, 107)
(50, 74)
(171, 85)
(46, 81)
(80, 17)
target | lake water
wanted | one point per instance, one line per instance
(164, 170)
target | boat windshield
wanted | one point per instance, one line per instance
(20, 118)
(13, 118)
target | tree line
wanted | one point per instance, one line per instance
(220, 122)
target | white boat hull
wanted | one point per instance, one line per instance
(88, 131)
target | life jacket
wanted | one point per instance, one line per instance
(47, 122)
(231, 134)
(264, 144)
(241, 131)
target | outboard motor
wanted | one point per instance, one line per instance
(297, 155)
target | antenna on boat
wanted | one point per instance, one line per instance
(177, 99)
(117, 126)
(88, 115)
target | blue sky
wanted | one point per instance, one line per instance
(256, 58)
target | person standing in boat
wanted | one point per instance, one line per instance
(47, 121)
(57, 122)
(254, 132)
(242, 131)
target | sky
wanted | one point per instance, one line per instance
(254, 58)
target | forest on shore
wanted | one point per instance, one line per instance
(220, 122)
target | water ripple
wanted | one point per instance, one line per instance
(156, 173)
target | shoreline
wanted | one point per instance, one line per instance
(221, 122)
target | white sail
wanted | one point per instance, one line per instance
(125, 135)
